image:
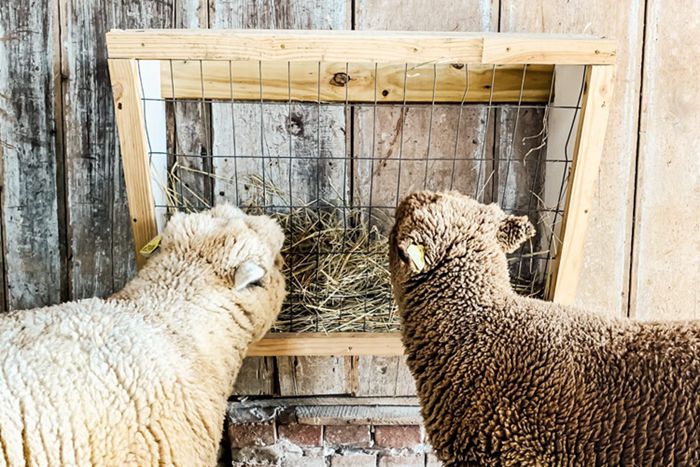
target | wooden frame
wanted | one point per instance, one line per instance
(365, 49)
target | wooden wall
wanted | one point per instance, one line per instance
(63, 213)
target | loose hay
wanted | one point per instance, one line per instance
(336, 263)
(338, 272)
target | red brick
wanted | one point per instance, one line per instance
(347, 435)
(251, 434)
(411, 460)
(301, 435)
(356, 460)
(397, 436)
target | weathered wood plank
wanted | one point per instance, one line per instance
(276, 132)
(101, 254)
(189, 124)
(256, 377)
(399, 150)
(518, 187)
(305, 376)
(281, 81)
(28, 47)
(384, 376)
(666, 269)
(604, 274)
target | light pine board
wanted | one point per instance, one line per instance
(281, 81)
(302, 375)
(29, 77)
(592, 123)
(99, 237)
(397, 47)
(604, 277)
(666, 269)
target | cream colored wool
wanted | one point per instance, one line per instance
(142, 377)
(508, 380)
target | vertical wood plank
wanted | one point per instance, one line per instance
(189, 127)
(604, 275)
(384, 376)
(256, 377)
(28, 151)
(306, 376)
(394, 135)
(132, 138)
(100, 245)
(666, 267)
(519, 184)
(274, 132)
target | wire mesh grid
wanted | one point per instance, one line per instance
(333, 171)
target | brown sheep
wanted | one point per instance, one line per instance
(509, 380)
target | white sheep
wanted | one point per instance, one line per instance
(508, 380)
(142, 377)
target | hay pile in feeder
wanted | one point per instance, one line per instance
(338, 273)
(337, 266)
(336, 261)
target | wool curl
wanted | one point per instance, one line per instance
(509, 380)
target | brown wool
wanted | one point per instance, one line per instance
(509, 380)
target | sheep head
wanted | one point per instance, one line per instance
(236, 250)
(435, 228)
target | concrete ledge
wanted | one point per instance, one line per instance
(327, 411)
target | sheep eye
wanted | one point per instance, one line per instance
(401, 254)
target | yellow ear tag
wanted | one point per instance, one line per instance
(416, 253)
(150, 247)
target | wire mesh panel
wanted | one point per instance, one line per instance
(329, 149)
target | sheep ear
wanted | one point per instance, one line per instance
(513, 231)
(246, 274)
(414, 255)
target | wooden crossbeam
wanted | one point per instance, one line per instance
(360, 46)
(354, 82)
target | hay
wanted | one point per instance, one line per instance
(337, 266)
(336, 262)
(338, 273)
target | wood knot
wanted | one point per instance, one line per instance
(340, 79)
(457, 66)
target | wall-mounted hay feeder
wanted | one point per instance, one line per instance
(327, 130)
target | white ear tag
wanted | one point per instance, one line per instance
(416, 255)
(246, 274)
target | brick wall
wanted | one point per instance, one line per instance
(329, 431)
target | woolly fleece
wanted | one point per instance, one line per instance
(507, 380)
(142, 377)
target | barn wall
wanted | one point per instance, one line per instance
(63, 212)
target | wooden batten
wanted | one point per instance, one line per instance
(134, 149)
(354, 82)
(360, 46)
(590, 138)
(333, 344)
